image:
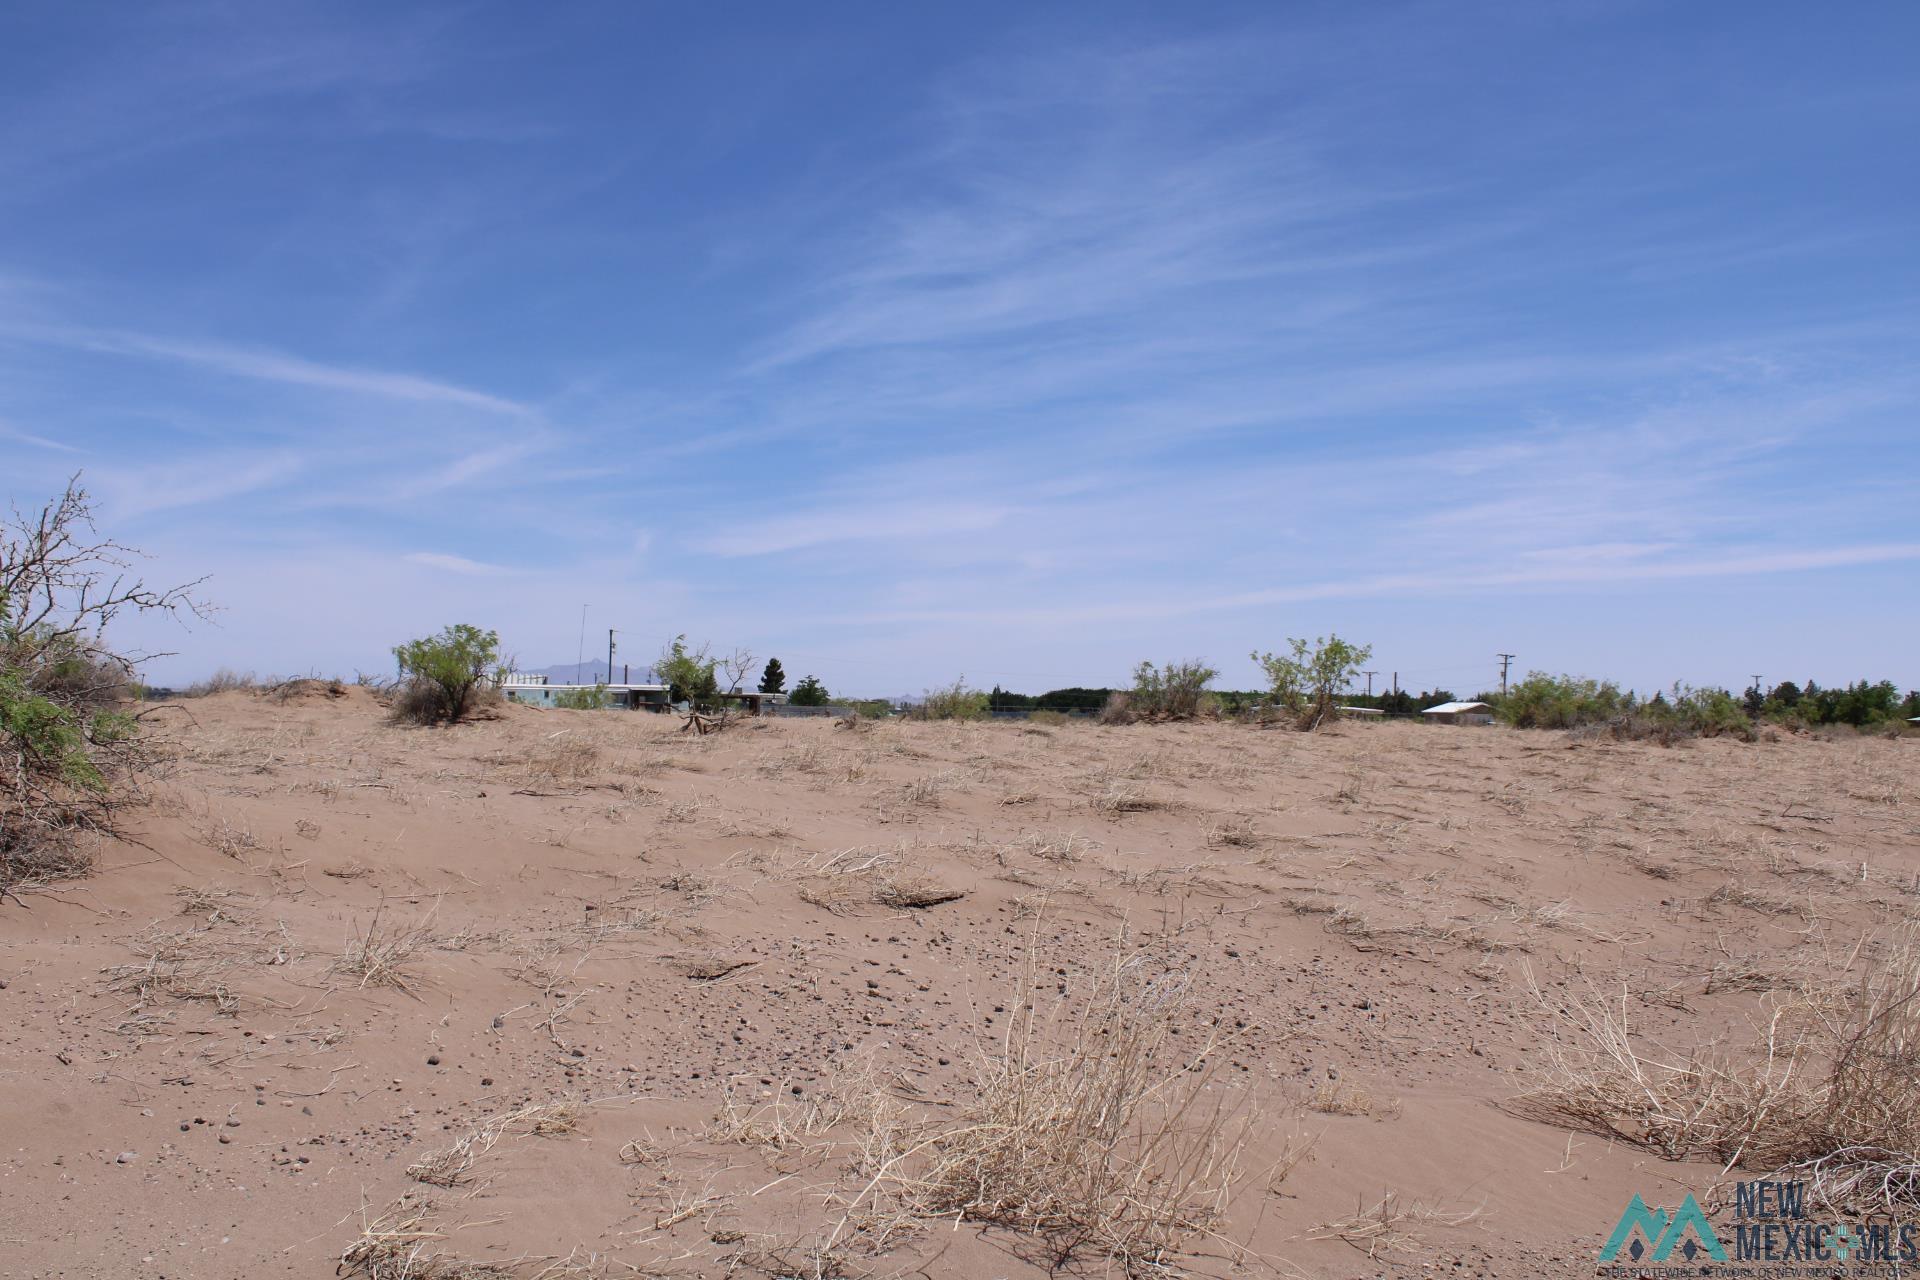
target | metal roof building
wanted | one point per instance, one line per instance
(1461, 713)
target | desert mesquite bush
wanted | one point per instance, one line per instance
(443, 673)
(1306, 679)
(954, 701)
(1177, 691)
(70, 745)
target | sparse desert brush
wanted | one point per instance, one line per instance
(1047, 716)
(560, 760)
(1096, 1131)
(72, 751)
(1177, 691)
(1827, 1089)
(1543, 701)
(955, 701)
(225, 680)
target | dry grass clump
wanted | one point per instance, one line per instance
(1123, 797)
(1335, 1098)
(1829, 1091)
(377, 955)
(567, 760)
(229, 840)
(1060, 847)
(1096, 1132)
(181, 965)
(1236, 832)
(401, 1244)
(784, 1120)
(913, 891)
(852, 878)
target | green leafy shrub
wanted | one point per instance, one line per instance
(443, 672)
(1543, 701)
(1306, 680)
(1712, 713)
(583, 699)
(954, 702)
(690, 674)
(1177, 691)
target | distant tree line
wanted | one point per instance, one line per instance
(1860, 704)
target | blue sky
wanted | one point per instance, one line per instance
(1019, 342)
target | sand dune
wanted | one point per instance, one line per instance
(565, 993)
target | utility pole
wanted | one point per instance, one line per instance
(609, 655)
(1369, 675)
(1396, 684)
(1756, 682)
(580, 654)
(1506, 659)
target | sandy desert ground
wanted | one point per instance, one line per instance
(565, 993)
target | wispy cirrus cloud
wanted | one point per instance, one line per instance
(456, 564)
(15, 434)
(266, 365)
(852, 521)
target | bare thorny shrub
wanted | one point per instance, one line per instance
(1095, 1131)
(1828, 1091)
(71, 750)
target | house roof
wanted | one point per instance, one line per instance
(1449, 708)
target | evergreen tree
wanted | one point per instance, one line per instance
(809, 693)
(773, 679)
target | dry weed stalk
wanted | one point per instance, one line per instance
(1385, 1224)
(452, 1166)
